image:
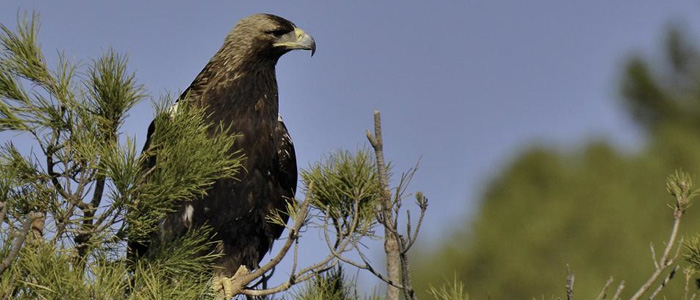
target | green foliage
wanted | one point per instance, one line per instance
(692, 253)
(67, 207)
(182, 264)
(596, 209)
(47, 272)
(112, 92)
(329, 286)
(189, 160)
(345, 186)
(680, 185)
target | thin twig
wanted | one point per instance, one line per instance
(664, 282)
(619, 289)
(653, 255)
(688, 272)
(293, 235)
(412, 236)
(604, 291)
(371, 269)
(74, 200)
(569, 284)
(341, 247)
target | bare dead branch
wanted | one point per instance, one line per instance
(391, 244)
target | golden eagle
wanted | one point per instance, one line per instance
(238, 88)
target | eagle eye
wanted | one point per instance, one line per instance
(278, 32)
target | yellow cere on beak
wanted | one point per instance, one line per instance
(298, 39)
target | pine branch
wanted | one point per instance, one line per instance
(618, 291)
(19, 240)
(664, 282)
(680, 186)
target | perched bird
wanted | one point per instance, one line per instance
(238, 87)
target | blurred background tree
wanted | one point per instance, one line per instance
(596, 208)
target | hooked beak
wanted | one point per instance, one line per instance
(297, 39)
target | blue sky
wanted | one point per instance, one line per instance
(461, 85)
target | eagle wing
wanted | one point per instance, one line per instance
(287, 162)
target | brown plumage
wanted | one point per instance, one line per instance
(239, 88)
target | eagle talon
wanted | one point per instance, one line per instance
(223, 287)
(227, 287)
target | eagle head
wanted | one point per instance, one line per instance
(268, 36)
